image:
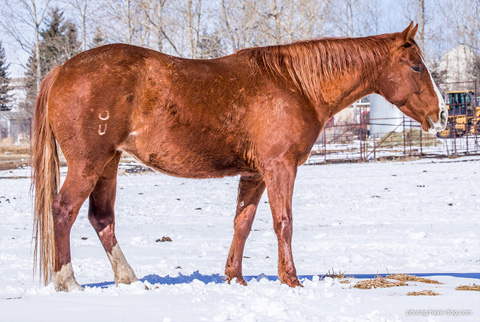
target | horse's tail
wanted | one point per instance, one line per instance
(45, 181)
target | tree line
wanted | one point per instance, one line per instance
(53, 31)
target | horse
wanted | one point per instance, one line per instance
(255, 113)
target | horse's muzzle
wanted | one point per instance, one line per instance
(442, 121)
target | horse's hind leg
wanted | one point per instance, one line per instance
(250, 190)
(78, 184)
(102, 217)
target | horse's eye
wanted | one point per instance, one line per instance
(417, 68)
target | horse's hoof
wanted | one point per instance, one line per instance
(127, 279)
(296, 284)
(68, 286)
(238, 280)
(291, 281)
(64, 280)
(241, 281)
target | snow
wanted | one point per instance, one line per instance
(368, 218)
(464, 145)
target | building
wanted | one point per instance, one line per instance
(457, 64)
(15, 126)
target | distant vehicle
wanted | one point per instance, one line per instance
(463, 114)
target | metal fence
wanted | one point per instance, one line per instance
(353, 142)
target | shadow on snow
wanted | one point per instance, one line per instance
(219, 279)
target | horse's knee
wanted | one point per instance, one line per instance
(283, 228)
(243, 225)
(63, 211)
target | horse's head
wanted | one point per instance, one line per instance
(406, 82)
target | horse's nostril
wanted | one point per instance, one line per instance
(443, 116)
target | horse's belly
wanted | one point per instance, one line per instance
(189, 163)
(192, 166)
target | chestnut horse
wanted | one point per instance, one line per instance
(256, 113)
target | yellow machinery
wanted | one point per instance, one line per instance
(463, 114)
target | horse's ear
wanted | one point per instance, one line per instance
(406, 33)
(414, 31)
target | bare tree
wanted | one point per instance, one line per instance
(285, 21)
(193, 17)
(463, 35)
(253, 23)
(26, 15)
(353, 18)
(154, 11)
(81, 6)
(118, 19)
(415, 10)
(240, 19)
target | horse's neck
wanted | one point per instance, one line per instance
(343, 92)
(348, 86)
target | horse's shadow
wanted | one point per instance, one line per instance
(219, 279)
(185, 279)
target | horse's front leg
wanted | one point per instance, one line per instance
(250, 190)
(280, 177)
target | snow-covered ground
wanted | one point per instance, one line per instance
(397, 217)
(377, 148)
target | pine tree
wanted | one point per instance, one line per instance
(58, 43)
(99, 39)
(5, 98)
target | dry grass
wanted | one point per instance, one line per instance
(401, 279)
(411, 278)
(333, 274)
(338, 275)
(12, 155)
(413, 135)
(425, 292)
(8, 148)
(8, 165)
(378, 282)
(473, 287)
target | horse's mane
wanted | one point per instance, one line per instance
(309, 63)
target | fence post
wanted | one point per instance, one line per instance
(410, 136)
(324, 145)
(421, 148)
(475, 119)
(455, 105)
(361, 133)
(467, 127)
(404, 148)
